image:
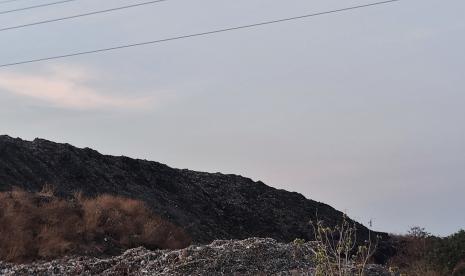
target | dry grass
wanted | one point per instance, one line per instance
(42, 226)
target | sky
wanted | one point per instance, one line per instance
(363, 110)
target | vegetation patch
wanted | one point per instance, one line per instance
(422, 254)
(41, 226)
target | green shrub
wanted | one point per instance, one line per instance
(447, 253)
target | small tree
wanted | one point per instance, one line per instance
(418, 232)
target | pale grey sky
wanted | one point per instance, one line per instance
(362, 110)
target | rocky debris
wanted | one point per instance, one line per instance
(252, 256)
(209, 206)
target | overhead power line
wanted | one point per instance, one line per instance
(9, 1)
(80, 15)
(36, 6)
(197, 34)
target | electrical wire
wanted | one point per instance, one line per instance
(80, 15)
(197, 34)
(36, 6)
(9, 1)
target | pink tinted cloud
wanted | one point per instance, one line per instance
(66, 89)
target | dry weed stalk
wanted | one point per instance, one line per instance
(337, 252)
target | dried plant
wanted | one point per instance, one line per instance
(337, 251)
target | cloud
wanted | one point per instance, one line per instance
(67, 88)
